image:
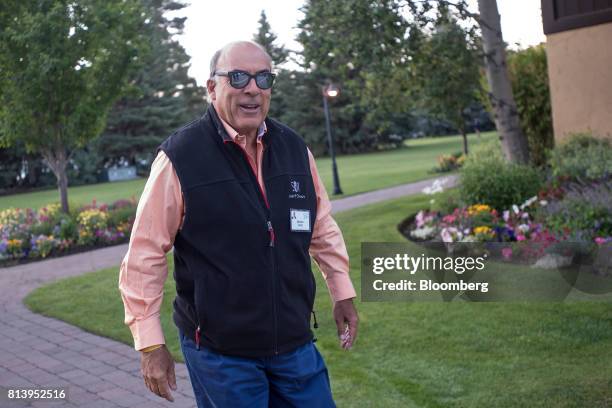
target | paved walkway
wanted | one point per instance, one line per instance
(41, 352)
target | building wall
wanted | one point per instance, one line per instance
(580, 75)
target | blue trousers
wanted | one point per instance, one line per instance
(295, 379)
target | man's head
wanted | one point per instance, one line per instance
(244, 109)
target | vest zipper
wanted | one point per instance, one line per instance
(270, 229)
(271, 232)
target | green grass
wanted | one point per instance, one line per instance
(358, 173)
(77, 196)
(455, 354)
(371, 171)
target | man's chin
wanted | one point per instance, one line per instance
(252, 124)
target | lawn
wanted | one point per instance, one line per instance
(455, 354)
(358, 173)
(77, 196)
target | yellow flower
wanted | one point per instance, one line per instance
(483, 229)
(478, 208)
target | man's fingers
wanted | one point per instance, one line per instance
(340, 327)
(147, 383)
(154, 388)
(172, 377)
(353, 329)
(164, 391)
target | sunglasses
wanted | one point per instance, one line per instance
(240, 79)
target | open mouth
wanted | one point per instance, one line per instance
(249, 107)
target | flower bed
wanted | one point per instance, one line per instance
(568, 217)
(27, 234)
(528, 232)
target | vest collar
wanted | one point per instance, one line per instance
(224, 128)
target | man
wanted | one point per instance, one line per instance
(239, 198)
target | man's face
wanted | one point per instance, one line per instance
(244, 109)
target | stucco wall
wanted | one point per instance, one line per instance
(580, 74)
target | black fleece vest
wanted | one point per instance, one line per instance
(243, 276)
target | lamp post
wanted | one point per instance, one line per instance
(330, 91)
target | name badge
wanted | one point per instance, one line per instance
(300, 220)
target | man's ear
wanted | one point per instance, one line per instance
(210, 87)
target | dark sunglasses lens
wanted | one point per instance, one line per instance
(264, 80)
(239, 79)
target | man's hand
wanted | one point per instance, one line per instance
(157, 369)
(347, 321)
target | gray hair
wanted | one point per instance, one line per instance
(220, 52)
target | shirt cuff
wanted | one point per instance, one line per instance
(340, 287)
(147, 332)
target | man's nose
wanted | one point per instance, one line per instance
(251, 87)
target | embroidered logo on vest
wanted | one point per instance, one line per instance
(295, 188)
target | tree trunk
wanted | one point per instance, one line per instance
(62, 186)
(513, 141)
(57, 160)
(33, 170)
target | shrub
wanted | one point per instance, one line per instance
(486, 178)
(529, 77)
(585, 211)
(582, 156)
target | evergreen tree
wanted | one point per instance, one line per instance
(266, 38)
(359, 46)
(163, 96)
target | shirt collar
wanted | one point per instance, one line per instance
(233, 133)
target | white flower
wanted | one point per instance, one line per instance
(423, 233)
(529, 202)
(506, 215)
(523, 228)
(543, 203)
(446, 235)
(436, 187)
(515, 208)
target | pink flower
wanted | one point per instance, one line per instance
(600, 240)
(449, 218)
(507, 253)
(420, 219)
(520, 237)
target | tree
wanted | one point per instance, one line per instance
(529, 76)
(447, 73)
(514, 142)
(62, 65)
(163, 96)
(266, 38)
(333, 37)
